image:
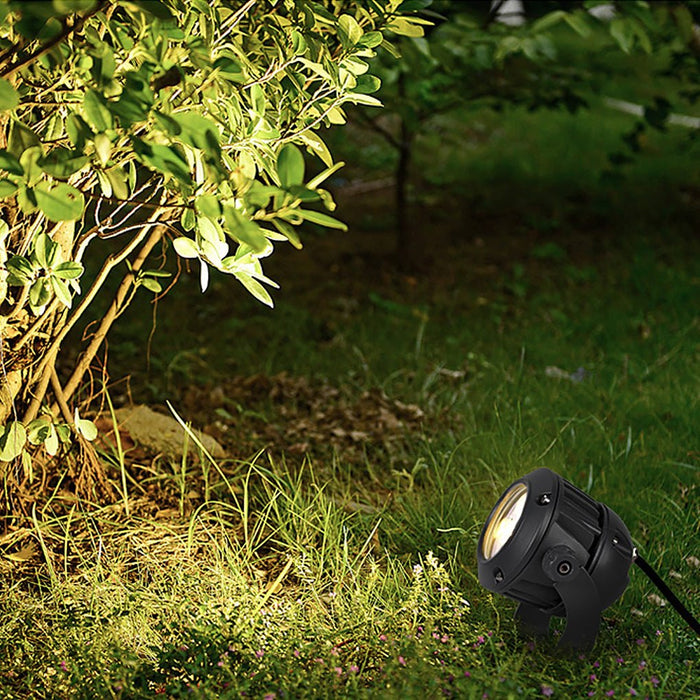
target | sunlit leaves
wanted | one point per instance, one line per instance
(96, 111)
(13, 437)
(290, 166)
(9, 97)
(164, 159)
(60, 202)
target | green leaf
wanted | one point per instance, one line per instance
(257, 98)
(317, 146)
(78, 130)
(164, 159)
(244, 230)
(621, 31)
(12, 441)
(9, 97)
(208, 205)
(404, 27)
(103, 147)
(118, 181)
(70, 270)
(10, 164)
(60, 289)
(167, 124)
(324, 175)
(366, 100)
(298, 43)
(7, 188)
(349, 30)
(86, 428)
(39, 293)
(371, 40)
(151, 284)
(26, 199)
(578, 22)
(152, 7)
(21, 138)
(288, 231)
(684, 21)
(45, 250)
(255, 288)
(547, 21)
(185, 247)
(96, 111)
(290, 166)
(198, 131)
(62, 162)
(67, 7)
(322, 219)
(38, 430)
(51, 441)
(59, 203)
(209, 230)
(229, 68)
(188, 219)
(367, 84)
(21, 271)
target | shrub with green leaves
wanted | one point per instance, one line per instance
(170, 126)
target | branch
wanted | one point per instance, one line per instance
(385, 133)
(67, 31)
(112, 313)
(60, 396)
(110, 263)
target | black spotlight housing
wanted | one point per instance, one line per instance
(550, 546)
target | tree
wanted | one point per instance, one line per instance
(167, 125)
(467, 55)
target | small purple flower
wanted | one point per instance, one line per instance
(353, 668)
(382, 638)
(402, 661)
(654, 681)
(547, 690)
(259, 653)
(659, 633)
(591, 693)
(64, 666)
(270, 696)
(467, 674)
(592, 678)
(596, 664)
(642, 664)
(633, 692)
(620, 660)
(610, 693)
(338, 671)
(641, 642)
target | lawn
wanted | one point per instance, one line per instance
(370, 422)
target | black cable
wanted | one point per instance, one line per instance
(668, 593)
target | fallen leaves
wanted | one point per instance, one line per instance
(296, 415)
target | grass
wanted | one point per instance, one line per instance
(269, 575)
(327, 580)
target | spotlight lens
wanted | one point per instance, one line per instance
(502, 524)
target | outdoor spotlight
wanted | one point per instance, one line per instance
(550, 546)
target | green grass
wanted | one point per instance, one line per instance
(273, 586)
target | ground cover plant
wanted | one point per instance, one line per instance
(369, 422)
